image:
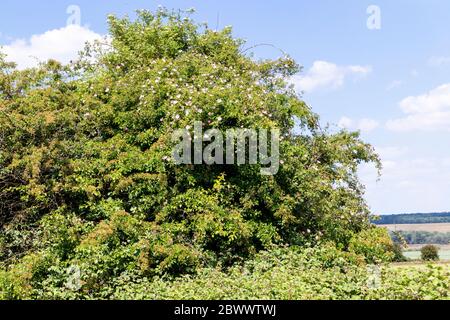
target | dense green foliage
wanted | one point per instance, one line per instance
(422, 237)
(429, 253)
(87, 183)
(373, 244)
(412, 218)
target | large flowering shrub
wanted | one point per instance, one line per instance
(86, 177)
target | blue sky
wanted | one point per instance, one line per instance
(391, 83)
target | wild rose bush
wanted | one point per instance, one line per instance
(87, 181)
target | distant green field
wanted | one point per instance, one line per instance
(416, 218)
(415, 255)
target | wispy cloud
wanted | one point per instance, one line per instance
(418, 183)
(394, 84)
(391, 152)
(414, 73)
(439, 61)
(365, 125)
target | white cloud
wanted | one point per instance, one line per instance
(325, 74)
(364, 125)
(60, 44)
(439, 61)
(427, 112)
(367, 125)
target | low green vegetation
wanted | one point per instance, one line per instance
(323, 273)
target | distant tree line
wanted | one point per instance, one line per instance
(421, 237)
(442, 217)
